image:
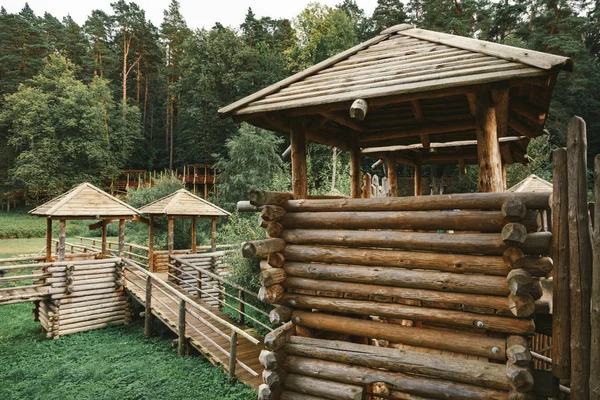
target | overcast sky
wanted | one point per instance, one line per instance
(198, 13)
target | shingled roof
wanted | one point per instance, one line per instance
(416, 81)
(183, 203)
(532, 183)
(85, 201)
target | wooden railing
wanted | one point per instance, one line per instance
(18, 273)
(201, 316)
(133, 251)
(217, 284)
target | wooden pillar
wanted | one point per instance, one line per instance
(355, 175)
(194, 246)
(61, 240)
(48, 239)
(392, 168)
(595, 301)
(299, 174)
(171, 236)
(213, 235)
(418, 179)
(121, 238)
(103, 254)
(151, 243)
(148, 308)
(181, 345)
(561, 351)
(488, 148)
(232, 354)
(580, 259)
(241, 306)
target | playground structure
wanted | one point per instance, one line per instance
(376, 301)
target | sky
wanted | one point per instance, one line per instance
(198, 13)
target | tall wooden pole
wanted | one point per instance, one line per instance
(171, 236)
(61, 239)
(103, 254)
(194, 246)
(418, 179)
(488, 148)
(148, 308)
(580, 256)
(151, 243)
(48, 239)
(561, 324)
(355, 175)
(181, 347)
(213, 235)
(392, 168)
(121, 238)
(299, 174)
(595, 301)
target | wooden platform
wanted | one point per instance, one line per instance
(22, 294)
(167, 310)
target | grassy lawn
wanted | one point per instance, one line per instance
(114, 363)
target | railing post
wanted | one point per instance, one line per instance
(148, 308)
(198, 283)
(232, 355)
(241, 306)
(181, 346)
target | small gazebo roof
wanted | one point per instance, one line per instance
(418, 84)
(532, 183)
(85, 201)
(183, 203)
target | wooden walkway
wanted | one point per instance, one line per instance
(22, 294)
(214, 345)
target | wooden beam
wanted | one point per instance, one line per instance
(392, 173)
(299, 173)
(213, 235)
(121, 238)
(194, 244)
(418, 182)
(170, 235)
(151, 244)
(488, 148)
(344, 121)
(104, 225)
(98, 224)
(529, 111)
(48, 239)
(358, 109)
(61, 239)
(420, 119)
(417, 130)
(355, 174)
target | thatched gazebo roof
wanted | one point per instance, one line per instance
(183, 203)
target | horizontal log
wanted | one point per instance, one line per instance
(466, 201)
(261, 248)
(280, 314)
(272, 276)
(474, 372)
(448, 317)
(271, 360)
(455, 341)
(289, 395)
(401, 277)
(496, 304)
(274, 229)
(245, 206)
(514, 234)
(272, 213)
(456, 263)
(93, 316)
(521, 306)
(323, 388)
(517, 350)
(520, 282)
(271, 294)
(513, 210)
(275, 260)
(94, 326)
(273, 378)
(263, 197)
(519, 378)
(275, 339)
(484, 221)
(363, 376)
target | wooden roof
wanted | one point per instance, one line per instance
(417, 83)
(85, 201)
(183, 203)
(532, 183)
(513, 150)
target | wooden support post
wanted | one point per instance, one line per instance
(488, 148)
(148, 308)
(151, 243)
(580, 259)
(392, 175)
(299, 174)
(171, 236)
(103, 253)
(232, 355)
(355, 175)
(366, 187)
(194, 246)
(213, 235)
(181, 345)
(241, 306)
(61, 239)
(595, 296)
(121, 238)
(561, 351)
(49, 240)
(418, 182)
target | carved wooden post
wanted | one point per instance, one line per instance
(49, 239)
(298, 142)
(61, 240)
(488, 149)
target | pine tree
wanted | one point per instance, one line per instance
(388, 13)
(99, 29)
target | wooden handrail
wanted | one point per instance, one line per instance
(17, 259)
(195, 305)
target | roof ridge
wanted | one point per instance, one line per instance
(68, 196)
(113, 198)
(173, 201)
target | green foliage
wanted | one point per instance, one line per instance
(65, 131)
(388, 13)
(253, 161)
(539, 152)
(113, 363)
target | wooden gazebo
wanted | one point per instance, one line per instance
(181, 204)
(409, 86)
(84, 202)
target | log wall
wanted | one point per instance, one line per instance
(83, 296)
(450, 280)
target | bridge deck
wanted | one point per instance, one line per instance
(167, 310)
(22, 294)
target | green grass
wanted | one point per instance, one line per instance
(113, 363)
